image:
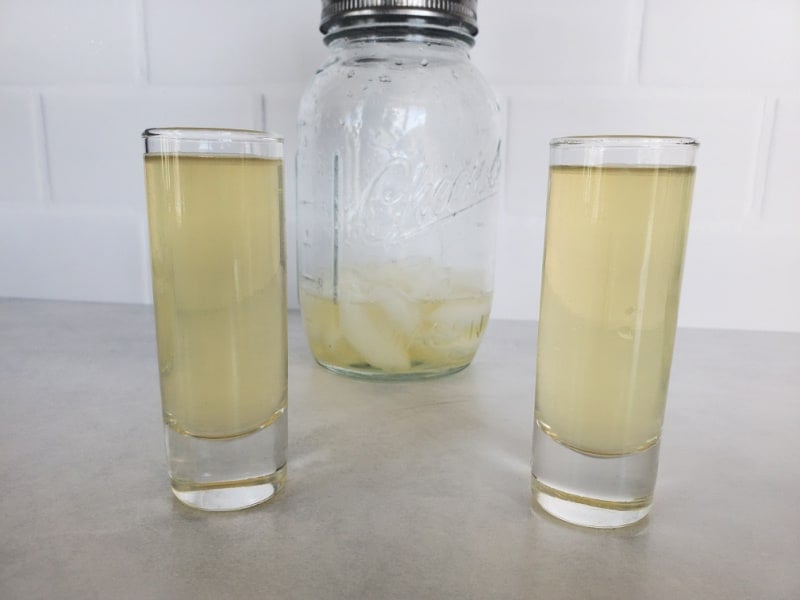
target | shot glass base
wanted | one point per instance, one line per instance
(592, 491)
(221, 474)
(587, 512)
(235, 495)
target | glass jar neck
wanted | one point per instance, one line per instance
(359, 31)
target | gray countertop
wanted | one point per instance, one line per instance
(412, 490)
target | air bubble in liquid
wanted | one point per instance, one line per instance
(626, 333)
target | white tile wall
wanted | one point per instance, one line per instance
(544, 42)
(47, 42)
(72, 255)
(721, 42)
(728, 129)
(80, 80)
(747, 276)
(21, 151)
(518, 271)
(94, 144)
(280, 110)
(244, 41)
(782, 198)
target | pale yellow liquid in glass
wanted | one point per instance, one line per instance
(612, 272)
(396, 318)
(219, 290)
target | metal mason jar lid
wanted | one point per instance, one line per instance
(461, 11)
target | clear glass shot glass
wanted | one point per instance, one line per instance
(215, 211)
(617, 220)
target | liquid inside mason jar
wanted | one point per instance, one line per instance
(401, 317)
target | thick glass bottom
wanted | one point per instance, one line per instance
(234, 495)
(229, 473)
(592, 491)
(379, 375)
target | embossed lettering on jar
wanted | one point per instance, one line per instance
(398, 173)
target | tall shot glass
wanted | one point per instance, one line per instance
(215, 210)
(617, 219)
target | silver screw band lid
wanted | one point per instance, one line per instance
(463, 11)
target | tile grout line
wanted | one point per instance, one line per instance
(754, 210)
(43, 154)
(143, 76)
(140, 31)
(633, 67)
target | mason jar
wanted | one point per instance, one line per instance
(398, 173)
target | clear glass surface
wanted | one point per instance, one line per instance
(398, 172)
(215, 212)
(617, 221)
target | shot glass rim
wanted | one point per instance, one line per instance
(625, 141)
(211, 134)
